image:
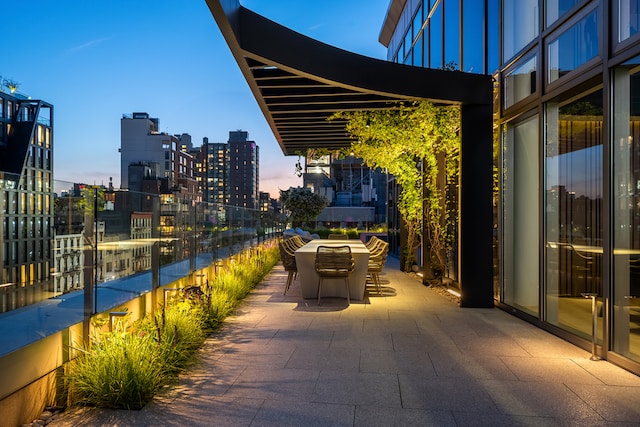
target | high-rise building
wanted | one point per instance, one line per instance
(212, 171)
(26, 198)
(243, 170)
(161, 167)
(141, 142)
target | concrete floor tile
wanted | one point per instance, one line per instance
(448, 394)
(283, 413)
(614, 403)
(542, 399)
(361, 340)
(449, 364)
(556, 370)
(357, 389)
(396, 362)
(373, 416)
(257, 382)
(333, 359)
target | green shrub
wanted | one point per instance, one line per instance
(125, 369)
(122, 370)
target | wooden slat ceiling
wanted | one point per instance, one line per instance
(299, 107)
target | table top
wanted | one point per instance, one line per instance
(357, 247)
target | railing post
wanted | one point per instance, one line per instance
(594, 323)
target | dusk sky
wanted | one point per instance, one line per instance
(96, 60)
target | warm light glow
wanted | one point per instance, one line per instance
(452, 292)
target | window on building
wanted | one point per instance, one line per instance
(520, 82)
(520, 25)
(573, 47)
(435, 38)
(473, 36)
(557, 8)
(628, 18)
(521, 215)
(573, 209)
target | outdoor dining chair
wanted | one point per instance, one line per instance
(288, 258)
(334, 262)
(377, 259)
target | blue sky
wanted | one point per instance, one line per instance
(95, 60)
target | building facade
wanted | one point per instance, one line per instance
(212, 171)
(26, 200)
(243, 170)
(567, 143)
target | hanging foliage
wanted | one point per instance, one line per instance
(419, 144)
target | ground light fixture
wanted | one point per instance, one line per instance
(113, 315)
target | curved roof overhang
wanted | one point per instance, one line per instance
(299, 82)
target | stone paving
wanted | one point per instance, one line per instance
(408, 357)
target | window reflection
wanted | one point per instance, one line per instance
(520, 83)
(626, 210)
(521, 215)
(520, 25)
(573, 48)
(628, 18)
(452, 33)
(473, 36)
(556, 8)
(573, 210)
(435, 50)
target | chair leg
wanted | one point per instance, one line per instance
(290, 278)
(319, 289)
(376, 281)
(348, 291)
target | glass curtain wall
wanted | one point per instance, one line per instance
(521, 217)
(626, 210)
(573, 209)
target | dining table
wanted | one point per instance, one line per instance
(332, 287)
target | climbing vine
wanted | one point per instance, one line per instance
(418, 143)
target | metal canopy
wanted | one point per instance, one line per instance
(300, 82)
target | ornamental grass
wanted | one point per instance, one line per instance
(124, 369)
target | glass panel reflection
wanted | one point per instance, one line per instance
(520, 83)
(520, 26)
(573, 180)
(626, 210)
(97, 235)
(573, 48)
(628, 18)
(521, 189)
(557, 8)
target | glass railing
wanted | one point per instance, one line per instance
(59, 238)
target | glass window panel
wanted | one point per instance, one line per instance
(520, 25)
(408, 41)
(573, 184)
(473, 36)
(417, 22)
(626, 210)
(628, 18)
(418, 52)
(521, 215)
(557, 8)
(452, 33)
(573, 48)
(493, 36)
(520, 82)
(435, 45)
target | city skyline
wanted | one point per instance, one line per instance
(97, 61)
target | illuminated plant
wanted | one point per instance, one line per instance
(419, 144)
